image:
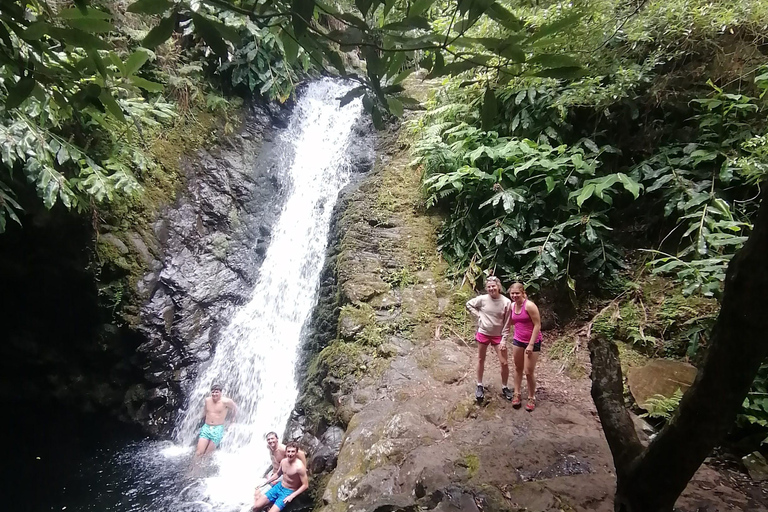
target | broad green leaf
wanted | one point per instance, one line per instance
(115, 59)
(501, 15)
(150, 6)
(146, 84)
(439, 64)
(109, 102)
(161, 33)
(584, 194)
(210, 35)
(402, 76)
(378, 121)
(290, 46)
(395, 107)
(409, 24)
(554, 27)
(396, 63)
(489, 110)
(94, 55)
(303, 11)
(94, 14)
(351, 95)
(363, 6)
(135, 62)
(561, 73)
(92, 25)
(554, 60)
(79, 38)
(419, 6)
(630, 185)
(229, 33)
(19, 92)
(36, 30)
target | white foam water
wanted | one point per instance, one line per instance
(255, 358)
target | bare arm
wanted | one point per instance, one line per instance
(304, 485)
(507, 325)
(533, 313)
(232, 406)
(474, 305)
(303, 457)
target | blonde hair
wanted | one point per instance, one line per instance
(520, 285)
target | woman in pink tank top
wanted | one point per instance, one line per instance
(526, 343)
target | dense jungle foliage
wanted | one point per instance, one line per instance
(569, 144)
(651, 155)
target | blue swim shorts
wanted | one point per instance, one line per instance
(277, 494)
(212, 432)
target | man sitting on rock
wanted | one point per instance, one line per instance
(295, 481)
(277, 454)
(215, 411)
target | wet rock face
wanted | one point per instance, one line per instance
(212, 242)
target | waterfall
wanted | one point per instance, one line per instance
(256, 354)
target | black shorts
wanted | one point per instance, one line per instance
(536, 346)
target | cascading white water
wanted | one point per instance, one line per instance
(256, 354)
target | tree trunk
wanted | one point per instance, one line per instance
(651, 479)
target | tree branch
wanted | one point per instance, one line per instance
(608, 394)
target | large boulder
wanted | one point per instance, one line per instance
(660, 377)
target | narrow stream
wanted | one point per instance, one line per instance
(255, 358)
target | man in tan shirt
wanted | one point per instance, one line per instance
(492, 313)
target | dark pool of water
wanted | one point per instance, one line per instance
(54, 459)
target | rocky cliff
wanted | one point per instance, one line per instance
(393, 370)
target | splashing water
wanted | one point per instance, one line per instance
(256, 355)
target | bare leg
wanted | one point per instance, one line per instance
(260, 502)
(504, 364)
(530, 367)
(518, 354)
(275, 509)
(202, 446)
(210, 448)
(482, 349)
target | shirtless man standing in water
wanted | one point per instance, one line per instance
(215, 411)
(295, 481)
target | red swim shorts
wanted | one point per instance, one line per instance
(485, 339)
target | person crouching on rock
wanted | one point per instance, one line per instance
(526, 343)
(295, 481)
(215, 411)
(492, 312)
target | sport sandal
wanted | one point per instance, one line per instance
(517, 400)
(531, 405)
